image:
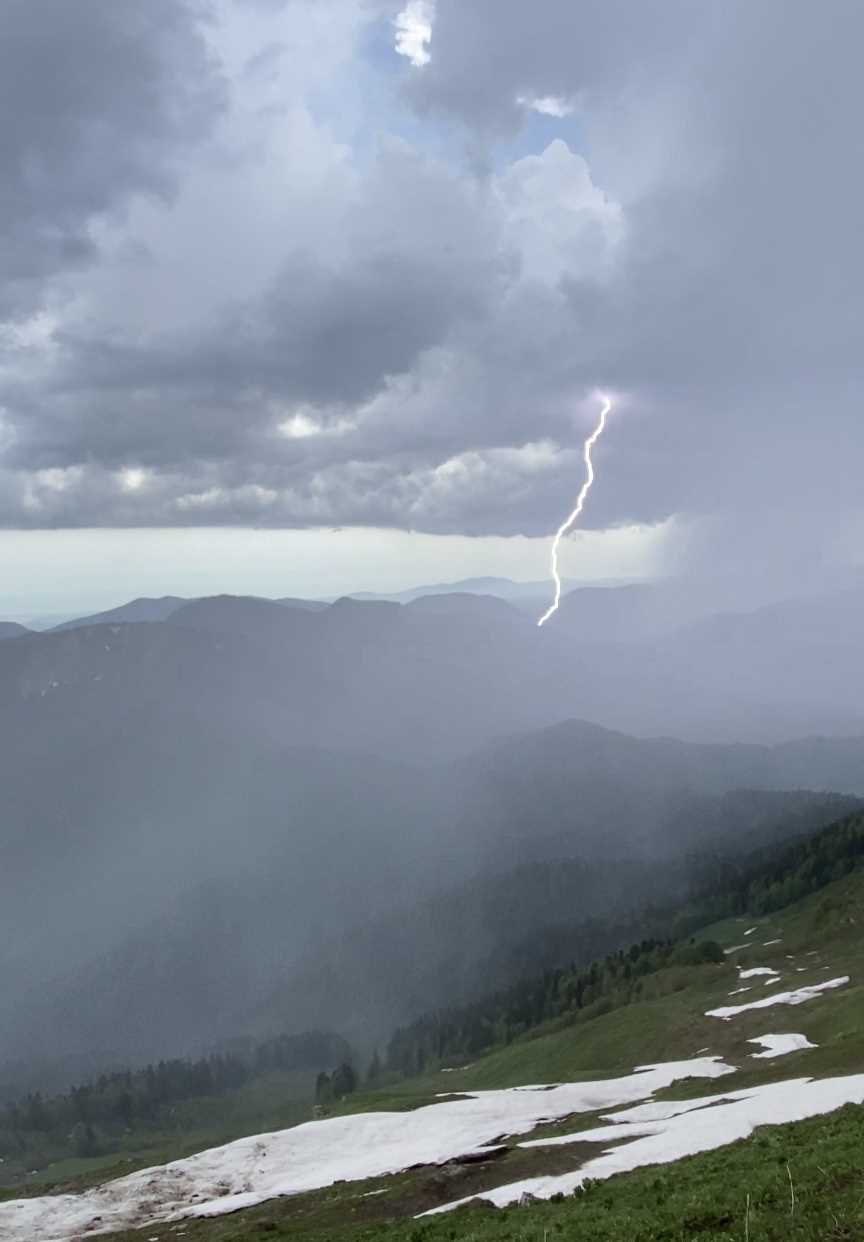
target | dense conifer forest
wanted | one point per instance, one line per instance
(89, 1119)
(759, 883)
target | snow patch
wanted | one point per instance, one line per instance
(797, 997)
(758, 970)
(661, 1132)
(780, 1045)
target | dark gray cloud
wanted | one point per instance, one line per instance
(419, 260)
(488, 55)
(732, 315)
(97, 102)
(416, 356)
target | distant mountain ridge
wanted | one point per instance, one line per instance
(779, 672)
(11, 629)
(597, 612)
(504, 588)
(146, 608)
(142, 609)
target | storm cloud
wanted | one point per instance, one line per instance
(98, 102)
(262, 265)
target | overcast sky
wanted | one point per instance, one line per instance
(287, 265)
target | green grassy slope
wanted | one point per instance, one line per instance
(702, 1197)
(744, 1191)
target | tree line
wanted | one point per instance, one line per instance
(83, 1117)
(499, 1019)
(761, 882)
(773, 877)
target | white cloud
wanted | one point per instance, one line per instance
(299, 427)
(302, 426)
(132, 478)
(546, 105)
(250, 497)
(33, 332)
(556, 218)
(464, 479)
(46, 488)
(414, 31)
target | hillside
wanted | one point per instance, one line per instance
(499, 927)
(143, 609)
(237, 811)
(11, 629)
(791, 970)
(367, 959)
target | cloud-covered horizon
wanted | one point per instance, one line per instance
(283, 263)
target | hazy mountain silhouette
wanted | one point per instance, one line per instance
(143, 609)
(11, 629)
(503, 588)
(314, 605)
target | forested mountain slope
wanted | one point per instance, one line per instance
(207, 805)
(702, 1005)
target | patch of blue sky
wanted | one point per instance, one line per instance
(535, 134)
(375, 103)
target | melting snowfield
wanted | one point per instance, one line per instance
(661, 1132)
(797, 997)
(318, 1153)
(353, 1148)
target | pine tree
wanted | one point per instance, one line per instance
(323, 1088)
(344, 1080)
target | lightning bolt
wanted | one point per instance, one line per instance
(578, 507)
